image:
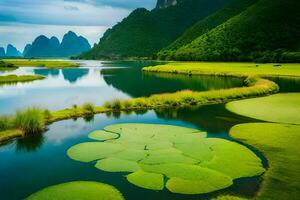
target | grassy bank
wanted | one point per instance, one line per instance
(279, 143)
(228, 69)
(6, 66)
(42, 63)
(255, 87)
(10, 79)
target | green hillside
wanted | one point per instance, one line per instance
(231, 8)
(143, 33)
(267, 31)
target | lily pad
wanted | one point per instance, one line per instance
(117, 165)
(82, 190)
(102, 135)
(90, 151)
(281, 108)
(151, 181)
(192, 163)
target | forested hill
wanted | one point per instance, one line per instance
(143, 33)
(231, 9)
(268, 31)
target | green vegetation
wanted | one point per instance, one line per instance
(42, 63)
(282, 108)
(30, 121)
(5, 66)
(151, 181)
(10, 134)
(231, 8)
(228, 69)
(267, 31)
(143, 33)
(10, 79)
(192, 163)
(279, 143)
(82, 190)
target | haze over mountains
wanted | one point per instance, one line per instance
(206, 30)
(71, 45)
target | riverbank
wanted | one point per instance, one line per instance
(11, 79)
(228, 69)
(255, 87)
(42, 63)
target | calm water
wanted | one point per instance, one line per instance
(96, 83)
(30, 164)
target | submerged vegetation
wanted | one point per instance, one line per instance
(192, 163)
(279, 143)
(42, 63)
(10, 79)
(83, 190)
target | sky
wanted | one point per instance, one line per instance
(21, 21)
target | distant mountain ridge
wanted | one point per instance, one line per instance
(71, 45)
(11, 51)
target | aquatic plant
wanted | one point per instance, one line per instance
(192, 163)
(83, 190)
(30, 121)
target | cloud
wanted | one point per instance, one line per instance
(59, 12)
(21, 21)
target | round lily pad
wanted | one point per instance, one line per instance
(281, 108)
(82, 190)
(147, 180)
(190, 162)
(90, 151)
(102, 135)
(117, 165)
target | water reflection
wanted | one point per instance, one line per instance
(287, 84)
(136, 83)
(30, 143)
(73, 75)
(46, 72)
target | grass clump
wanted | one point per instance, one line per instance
(30, 121)
(116, 104)
(5, 123)
(88, 109)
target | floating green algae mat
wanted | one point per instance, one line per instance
(280, 145)
(281, 108)
(82, 190)
(157, 156)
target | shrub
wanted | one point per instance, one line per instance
(30, 121)
(88, 108)
(107, 105)
(116, 104)
(127, 104)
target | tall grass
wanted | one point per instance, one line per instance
(5, 123)
(30, 121)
